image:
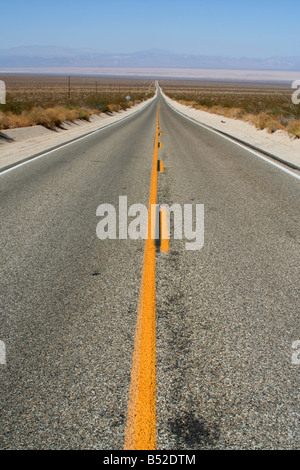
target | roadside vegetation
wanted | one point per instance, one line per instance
(51, 101)
(266, 108)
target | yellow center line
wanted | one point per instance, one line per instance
(141, 419)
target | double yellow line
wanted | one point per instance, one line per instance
(141, 419)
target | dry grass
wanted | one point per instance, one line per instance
(48, 117)
(266, 108)
(293, 128)
(49, 101)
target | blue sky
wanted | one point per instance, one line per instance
(228, 28)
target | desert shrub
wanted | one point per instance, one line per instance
(45, 101)
(269, 109)
(293, 128)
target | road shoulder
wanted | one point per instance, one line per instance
(14, 153)
(277, 145)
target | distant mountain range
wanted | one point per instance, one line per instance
(53, 56)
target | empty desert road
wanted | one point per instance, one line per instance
(226, 315)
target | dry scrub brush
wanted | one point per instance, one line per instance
(51, 107)
(265, 109)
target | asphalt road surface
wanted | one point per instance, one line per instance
(226, 315)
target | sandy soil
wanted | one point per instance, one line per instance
(279, 143)
(25, 133)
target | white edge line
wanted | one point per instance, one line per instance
(18, 165)
(233, 141)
